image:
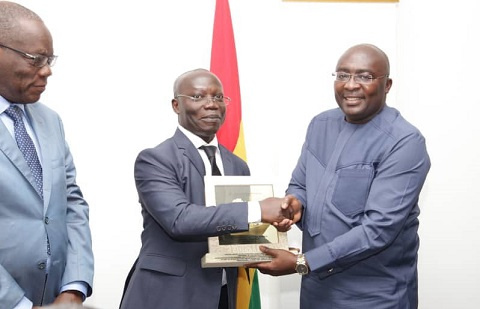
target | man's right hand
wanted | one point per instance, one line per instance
(281, 212)
(292, 205)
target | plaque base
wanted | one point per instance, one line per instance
(233, 259)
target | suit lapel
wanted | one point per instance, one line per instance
(39, 127)
(228, 165)
(9, 147)
(185, 145)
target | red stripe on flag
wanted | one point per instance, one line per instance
(223, 63)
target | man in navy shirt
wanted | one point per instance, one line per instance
(359, 178)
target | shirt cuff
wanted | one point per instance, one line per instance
(254, 212)
(79, 286)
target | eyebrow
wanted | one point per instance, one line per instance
(355, 72)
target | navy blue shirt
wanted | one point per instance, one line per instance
(360, 184)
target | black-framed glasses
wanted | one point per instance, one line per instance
(362, 78)
(38, 61)
(204, 99)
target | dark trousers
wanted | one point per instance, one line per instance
(223, 303)
(127, 281)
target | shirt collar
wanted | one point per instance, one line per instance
(4, 104)
(196, 140)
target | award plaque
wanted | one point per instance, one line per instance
(238, 249)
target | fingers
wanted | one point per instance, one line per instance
(264, 249)
(269, 251)
(297, 216)
(295, 207)
(285, 202)
(283, 226)
(288, 200)
(260, 265)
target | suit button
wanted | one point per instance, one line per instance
(41, 265)
(47, 220)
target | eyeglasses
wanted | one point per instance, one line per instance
(38, 61)
(204, 99)
(364, 79)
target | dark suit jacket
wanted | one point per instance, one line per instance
(26, 220)
(170, 184)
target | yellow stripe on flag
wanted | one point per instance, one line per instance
(240, 147)
(245, 284)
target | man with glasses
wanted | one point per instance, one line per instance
(359, 178)
(170, 185)
(45, 241)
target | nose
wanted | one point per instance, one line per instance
(351, 84)
(45, 71)
(211, 103)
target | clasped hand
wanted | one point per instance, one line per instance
(73, 298)
(281, 212)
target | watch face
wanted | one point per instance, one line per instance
(302, 269)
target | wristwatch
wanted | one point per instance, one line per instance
(302, 267)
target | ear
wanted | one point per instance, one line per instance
(175, 106)
(388, 85)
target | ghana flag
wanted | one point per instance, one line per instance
(223, 63)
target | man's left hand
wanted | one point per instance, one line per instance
(283, 262)
(69, 296)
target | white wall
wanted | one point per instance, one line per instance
(113, 84)
(438, 48)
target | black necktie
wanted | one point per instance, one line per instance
(26, 145)
(210, 151)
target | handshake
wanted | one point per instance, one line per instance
(281, 212)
